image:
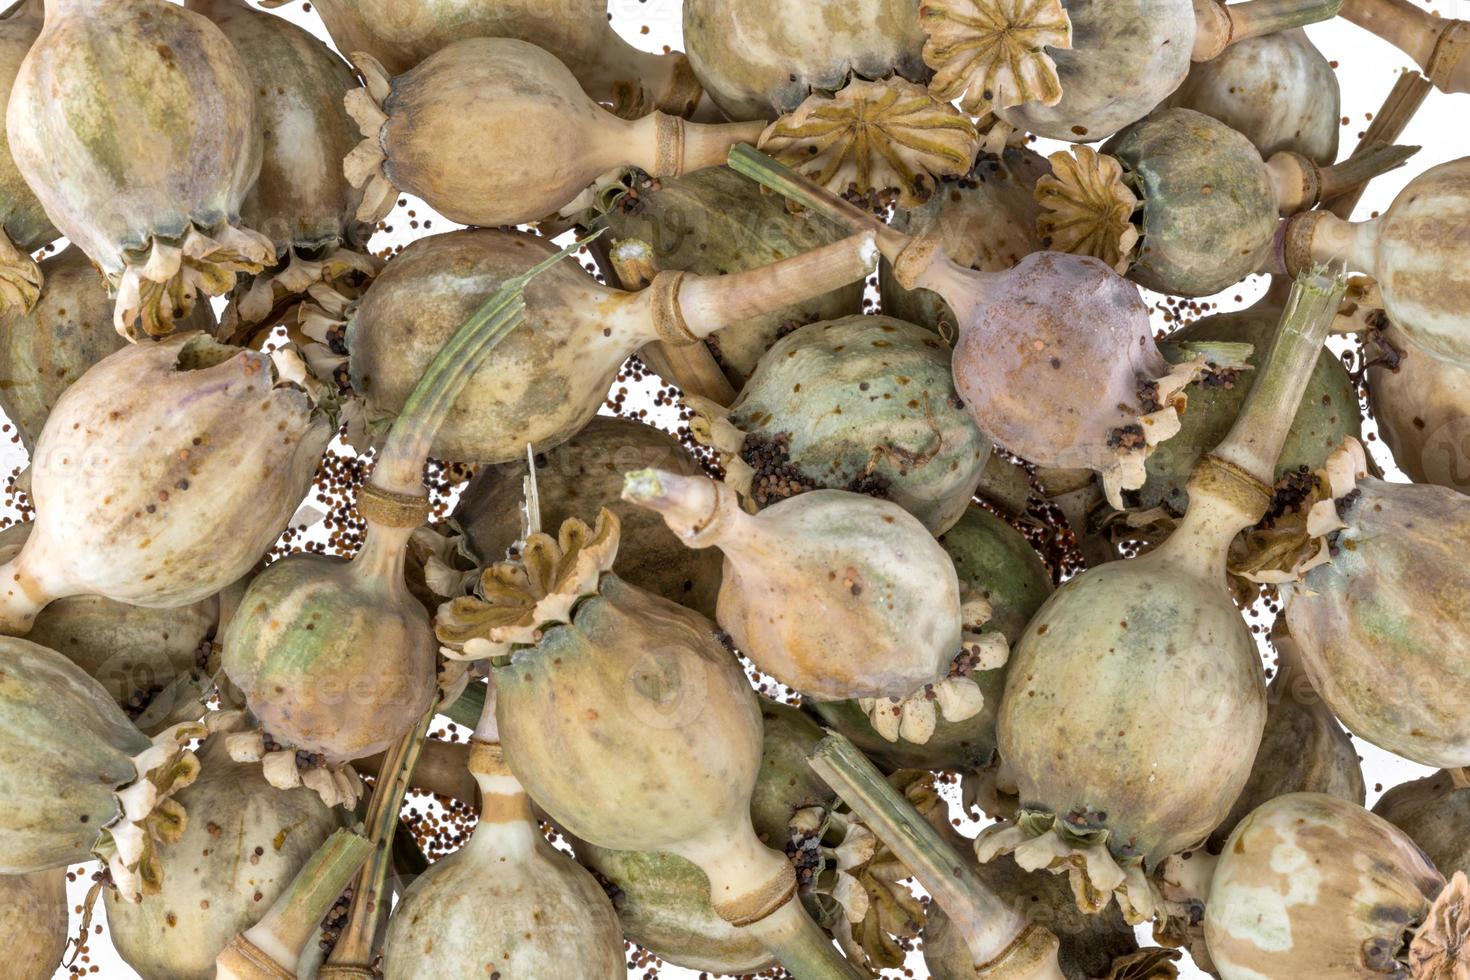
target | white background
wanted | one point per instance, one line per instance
(1367, 69)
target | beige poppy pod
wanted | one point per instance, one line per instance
(302, 201)
(33, 923)
(128, 180)
(44, 350)
(1314, 887)
(495, 131)
(612, 71)
(23, 221)
(164, 474)
(1422, 404)
(837, 595)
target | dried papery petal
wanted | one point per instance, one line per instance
(874, 137)
(299, 277)
(1441, 947)
(1088, 207)
(364, 166)
(992, 53)
(1146, 964)
(20, 277)
(164, 768)
(160, 286)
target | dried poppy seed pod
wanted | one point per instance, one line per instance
(473, 129)
(587, 471)
(578, 332)
(610, 69)
(164, 474)
(1435, 812)
(892, 617)
(79, 780)
(1415, 250)
(134, 186)
(1160, 629)
(506, 901)
(1436, 43)
(1099, 397)
(1210, 204)
(245, 842)
(302, 201)
(1422, 404)
(864, 403)
(714, 221)
(1080, 71)
(46, 349)
(1278, 91)
(642, 682)
(1315, 887)
(33, 922)
(23, 221)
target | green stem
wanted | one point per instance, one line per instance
(801, 946)
(400, 466)
(296, 913)
(1260, 17)
(1361, 167)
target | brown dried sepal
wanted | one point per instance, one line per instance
(872, 138)
(991, 54)
(1441, 948)
(161, 282)
(364, 166)
(1087, 207)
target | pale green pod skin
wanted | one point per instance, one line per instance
(1328, 412)
(1277, 91)
(1382, 626)
(869, 396)
(1161, 744)
(786, 782)
(760, 58)
(150, 489)
(333, 656)
(216, 883)
(1196, 243)
(986, 221)
(714, 221)
(302, 198)
(1436, 814)
(46, 350)
(115, 172)
(1316, 888)
(577, 31)
(1126, 57)
(994, 559)
(1423, 412)
(1090, 942)
(581, 476)
(33, 923)
(1303, 750)
(65, 750)
(23, 219)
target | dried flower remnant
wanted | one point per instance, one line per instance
(991, 54)
(1088, 207)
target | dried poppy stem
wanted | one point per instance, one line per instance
(1436, 44)
(1404, 99)
(440, 769)
(270, 949)
(1220, 25)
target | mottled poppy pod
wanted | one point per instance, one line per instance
(993, 560)
(1422, 404)
(164, 474)
(507, 901)
(863, 403)
(547, 381)
(79, 780)
(714, 221)
(1160, 629)
(33, 922)
(893, 620)
(23, 221)
(128, 180)
(1437, 44)
(45, 349)
(1209, 203)
(758, 59)
(1314, 887)
(302, 201)
(642, 682)
(1278, 91)
(245, 842)
(1416, 251)
(1075, 382)
(583, 473)
(1435, 812)
(495, 131)
(985, 221)
(1080, 71)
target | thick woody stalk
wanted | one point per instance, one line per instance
(1221, 24)
(1403, 100)
(1436, 44)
